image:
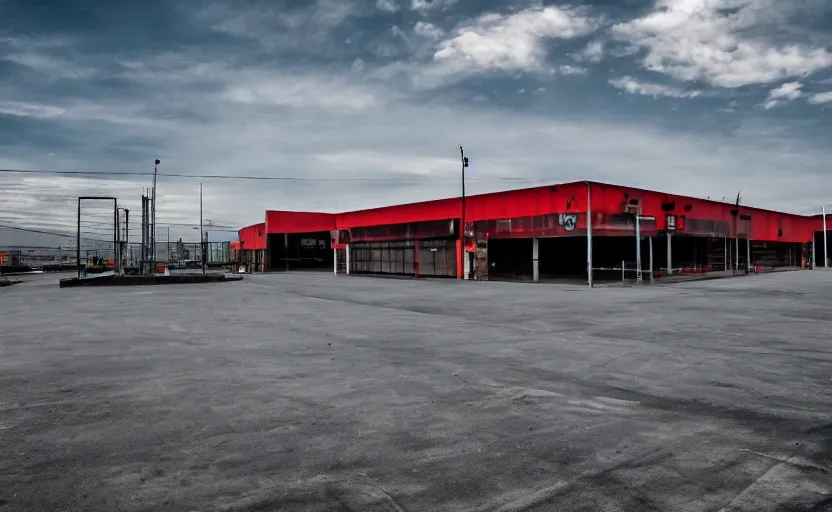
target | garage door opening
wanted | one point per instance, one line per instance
(300, 251)
(612, 253)
(562, 258)
(771, 255)
(510, 258)
(821, 251)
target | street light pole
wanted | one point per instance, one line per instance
(825, 256)
(201, 233)
(464, 162)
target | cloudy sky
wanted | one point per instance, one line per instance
(363, 102)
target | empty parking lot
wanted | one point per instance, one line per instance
(307, 391)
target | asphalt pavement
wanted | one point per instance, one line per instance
(314, 392)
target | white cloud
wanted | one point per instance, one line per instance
(387, 5)
(276, 28)
(268, 123)
(711, 40)
(592, 52)
(223, 116)
(566, 69)
(301, 92)
(787, 92)
(427, 5)
(428, 30)
(512, 42)
(631, 85)
(48, 65)
(24, 109)
(822, 97)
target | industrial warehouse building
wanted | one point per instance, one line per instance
(539, 233)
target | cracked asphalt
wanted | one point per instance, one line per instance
(311, 392)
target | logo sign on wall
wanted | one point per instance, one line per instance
(568, 221)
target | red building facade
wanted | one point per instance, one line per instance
(539, 232)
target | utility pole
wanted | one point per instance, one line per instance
(825, 256)
(153, 217)
(464, 161)
(145, 234)
(116, 239)
(201, 234)
(167, 255)
(736, 213)
(127, 233)
(78, 243)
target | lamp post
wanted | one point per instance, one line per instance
(201, 242)
(464, 162)
(825, 256)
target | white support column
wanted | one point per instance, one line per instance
(535, 261)
(650, 244)
(825, 256)
(348, 258)
(669, 254)
(335, 261)
(638, 249)
(589, 235)
(748, 255)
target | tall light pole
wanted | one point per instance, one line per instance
(201, 233)
(825, 256)
(464, 161)
(153, 217)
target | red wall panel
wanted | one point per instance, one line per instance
(817, 222)
(298, 222)
(401, 214)
(253, 237)
(566, 198)
(765, 225)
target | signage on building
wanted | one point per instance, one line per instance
(568, 220)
